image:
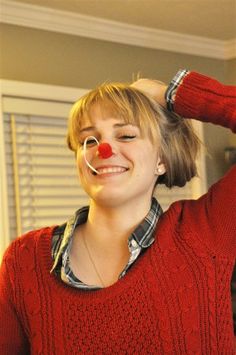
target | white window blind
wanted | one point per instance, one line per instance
(48, 187)
(44, 180)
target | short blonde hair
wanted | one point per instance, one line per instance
(173, 136)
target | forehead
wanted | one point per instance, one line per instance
(100, 112)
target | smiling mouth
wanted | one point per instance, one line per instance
(110, 170)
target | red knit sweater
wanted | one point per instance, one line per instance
(174, 300)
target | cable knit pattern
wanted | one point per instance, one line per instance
(174, 300)
(207, 100)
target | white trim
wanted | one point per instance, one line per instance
(41, 91)
(92, 27)
(16, 105)
(4, 216)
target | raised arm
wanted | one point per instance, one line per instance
(206, 99)
(194, 95)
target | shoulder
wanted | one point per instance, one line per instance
(26, 258)
(219, 201)
(209, 219)
(24, 247)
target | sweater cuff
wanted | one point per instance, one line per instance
(193, 93)
(173, 87)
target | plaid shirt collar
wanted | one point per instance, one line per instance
(143, 234)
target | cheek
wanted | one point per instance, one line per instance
(149, 164)
(80, 162)
(148, 155)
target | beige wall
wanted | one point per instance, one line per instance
(231, 79)
(231, 72)
(59, 59)
(218, 138)
(48, 57)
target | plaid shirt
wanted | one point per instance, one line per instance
(172, 88)
(138, 242)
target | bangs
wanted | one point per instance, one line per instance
(107, 109)
(117, 101)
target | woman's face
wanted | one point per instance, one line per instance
(129, 175)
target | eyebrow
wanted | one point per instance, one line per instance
(116, 125)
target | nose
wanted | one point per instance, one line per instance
(104, 150)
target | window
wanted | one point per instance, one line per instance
(43, 188)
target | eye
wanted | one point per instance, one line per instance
(127, 137)
(90, 142)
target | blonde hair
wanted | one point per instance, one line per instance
(173, 136)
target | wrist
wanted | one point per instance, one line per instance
(161, 99)
(171, 90)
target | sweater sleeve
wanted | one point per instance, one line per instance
(212, 217)
(207, 100)
(214, 214)
(12, 336)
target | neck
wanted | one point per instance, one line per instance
(101, 242)
(117, 223)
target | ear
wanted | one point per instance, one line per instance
(160, 169)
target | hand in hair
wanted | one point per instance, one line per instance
(155, 89)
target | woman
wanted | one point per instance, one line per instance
(126, 278)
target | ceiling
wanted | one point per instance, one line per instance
(214, 19)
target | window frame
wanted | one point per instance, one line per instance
(24, 90)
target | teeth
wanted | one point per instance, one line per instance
(115, 169)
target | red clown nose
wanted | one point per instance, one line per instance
(105, 150)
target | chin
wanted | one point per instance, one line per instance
(109, 200)
(109, 197)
